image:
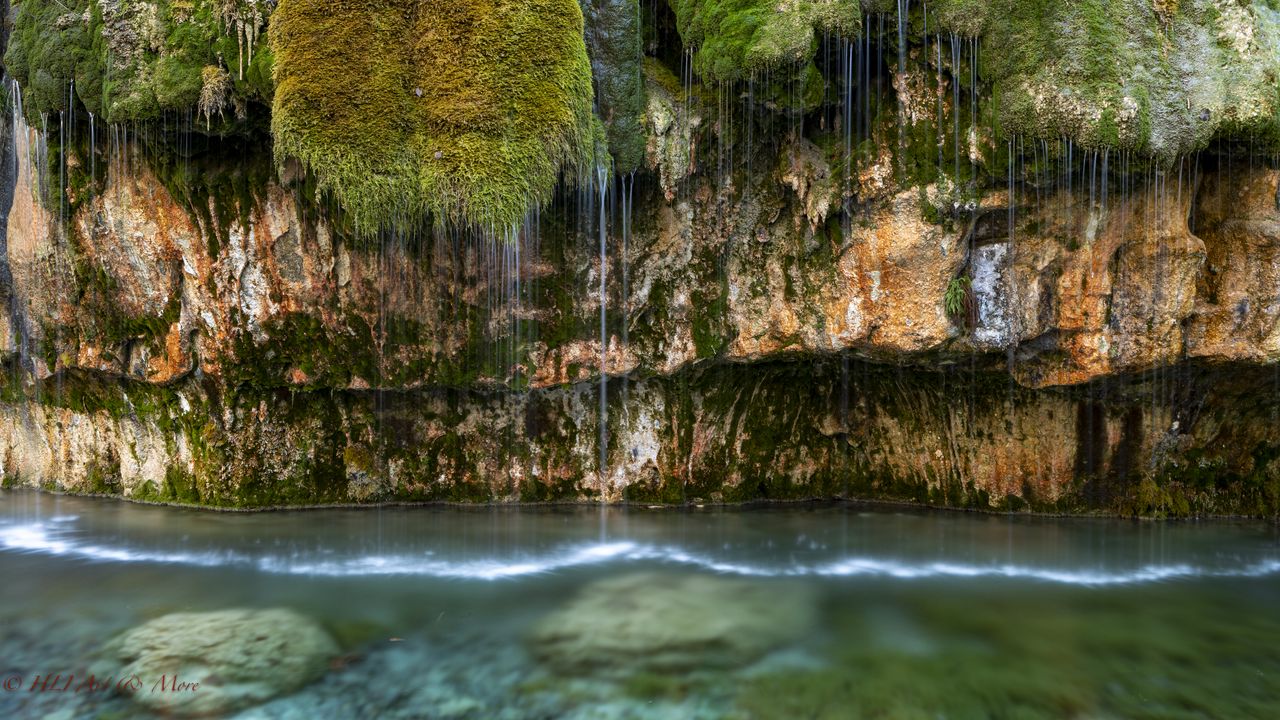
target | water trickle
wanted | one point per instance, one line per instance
(21, 149)
(900, 83)
(628, 188)
(603, 466)
(955, 104)
(93, 155)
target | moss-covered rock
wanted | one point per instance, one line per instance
(771, 43)
(733, 38)
(1164, 78)
(467, 111)
(614, 39)
(128, 61)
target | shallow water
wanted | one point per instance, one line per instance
(826, 611)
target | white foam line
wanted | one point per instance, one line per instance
(1149, 573)
(43, 539)
(37, 538)
(487, 569)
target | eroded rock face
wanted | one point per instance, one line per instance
(1236, 312)
(235, 658)
(963, 436)
(216, 335)
(204, 327)
(671, 623)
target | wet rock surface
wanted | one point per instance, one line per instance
(164, 306)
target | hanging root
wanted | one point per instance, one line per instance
(214, 90)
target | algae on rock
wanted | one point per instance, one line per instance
(671, 623)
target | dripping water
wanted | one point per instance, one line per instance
(628, 188)
(603, 465)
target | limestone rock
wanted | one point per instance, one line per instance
(670, 127)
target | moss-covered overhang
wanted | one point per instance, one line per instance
(135, 60)
(1164, 77)
(465, 110)
(733, 38)
(471, 111)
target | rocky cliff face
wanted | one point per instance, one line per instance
(850, 269)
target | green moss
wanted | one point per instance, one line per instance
(180, 486)
(103, 476)
(1121, 74)
(46, 44)
(468, 112)
(734, 38)
(326, 356)
(128, 60)
(964, 17)
(708, 320)
(770, 44)
(147, 492)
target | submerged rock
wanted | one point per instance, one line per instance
(229, 659)
(662, 622)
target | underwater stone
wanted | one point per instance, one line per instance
(239, 657)
(665, 622)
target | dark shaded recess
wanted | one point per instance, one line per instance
(1126, 460)
(661, 38)
(614, 37)
(1091, 446)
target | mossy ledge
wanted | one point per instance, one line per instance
(468, 112)
(1163, 78)
(730, 433)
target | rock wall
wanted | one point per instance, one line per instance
(848, 297)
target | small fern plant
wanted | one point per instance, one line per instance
(956, 299)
